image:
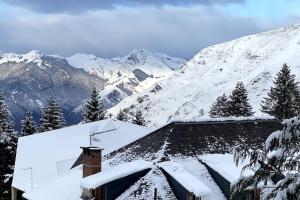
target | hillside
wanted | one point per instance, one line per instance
(189, 93)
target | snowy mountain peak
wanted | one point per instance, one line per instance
(34, 56)
(255, 48)
(146, 56)
(136, 58)
(189, 93)
(130, 74)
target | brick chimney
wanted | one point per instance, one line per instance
(91, 160)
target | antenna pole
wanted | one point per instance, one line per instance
(31, 176)
(98, 133)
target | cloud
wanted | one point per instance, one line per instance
(78, 6)
(179, 31)
(176, 30)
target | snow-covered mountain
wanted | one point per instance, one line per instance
(128, 75)
(28, 80)
(189, 93)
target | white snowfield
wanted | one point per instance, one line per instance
(189, 93)
(47, 156)
(151, 62)
(32, 56)
(186, 179)
(131, 74)
(225, 166)
(114, 173)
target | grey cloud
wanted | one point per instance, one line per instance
(176, 31)
(78, 6)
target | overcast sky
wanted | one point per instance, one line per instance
(109, 28)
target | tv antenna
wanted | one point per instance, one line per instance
(94, 131)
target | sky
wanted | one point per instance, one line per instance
(110, 28)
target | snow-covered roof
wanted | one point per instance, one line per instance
(68, 186)
(47, 155)
(114, 173)
(224, 119)
(225, 166)
(186, 179)
(64, 187)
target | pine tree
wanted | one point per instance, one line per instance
(283, 100)
(28, 125)
(220, 107)
(277, 162)
(94, 108)
(52, 117)
(8, 145)
(238, 102)
(122, 116)
(139, 119)
(7, 132)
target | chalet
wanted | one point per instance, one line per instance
(176, 161)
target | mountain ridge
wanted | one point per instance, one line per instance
(129, 74)
(189, 93)
(28, 80)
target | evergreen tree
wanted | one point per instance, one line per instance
(7, 132)
(122, 116)
(238, 102)
(277, 162)
(94, 108)
(28, 125)
(139, 119)
(8, 145)
(283, 99)
(52, 117)
(220, 107)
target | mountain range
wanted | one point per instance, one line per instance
(127, 75)
(164, 88)
(189, 92)
(29, 80)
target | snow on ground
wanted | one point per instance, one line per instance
(225, 166)
(186, 179)
(114, 173)
(189, 93)
(48, 155)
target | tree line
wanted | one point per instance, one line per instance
(276, 165)
(52, 116)
(282, 101)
